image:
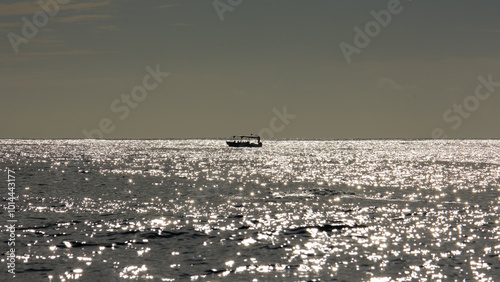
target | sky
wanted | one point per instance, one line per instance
(284, 69)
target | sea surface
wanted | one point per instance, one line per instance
(197, 210)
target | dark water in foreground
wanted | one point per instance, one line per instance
(292, 210)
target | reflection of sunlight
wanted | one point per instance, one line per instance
(240, 269)
(264, 268)
(142, 251)
(316, 214)
(72, 275)
(158, 222)
(248, 241)
(134, 272)
(380, 279)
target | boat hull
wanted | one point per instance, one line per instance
(243, 144)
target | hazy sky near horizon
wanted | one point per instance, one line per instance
(226, 76)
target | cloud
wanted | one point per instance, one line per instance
(9, 26)
(83, 6)
(64, 53)
(84, 18)
(109, 27)
(388, 83)
(19, 8)
(46, 41)
(31, 7)
(29, 56)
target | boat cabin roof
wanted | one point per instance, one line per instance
(246, 136)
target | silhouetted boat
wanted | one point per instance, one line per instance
(245, 141)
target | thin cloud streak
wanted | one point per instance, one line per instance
(109, 27)
(29, 56)
(26, 8)
(20, 8)
(84, 18)
(9, 26)
(47, 41)
(64, 53)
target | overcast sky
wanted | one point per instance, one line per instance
(230, 66)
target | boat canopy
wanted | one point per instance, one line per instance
(246, 137)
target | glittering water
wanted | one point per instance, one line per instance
(292, 210)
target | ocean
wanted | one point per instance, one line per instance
(293, 210)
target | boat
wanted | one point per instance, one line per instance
(245, 141)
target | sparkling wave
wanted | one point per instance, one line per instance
(166, 210)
